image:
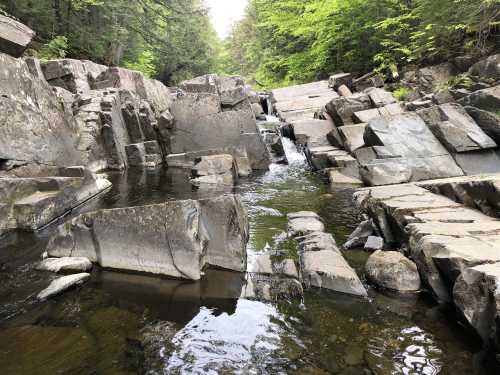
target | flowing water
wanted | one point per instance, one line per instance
(127, 323)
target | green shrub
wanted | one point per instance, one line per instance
(55, 49)
(401, 93)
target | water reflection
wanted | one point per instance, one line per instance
(211, 342)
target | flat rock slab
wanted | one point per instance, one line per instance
(65, 264)
(301, 102)
(328, 269)
(62, 284)
(312, 133)
(302, 223)
(422, 155)
(455, 128)
(176, 238)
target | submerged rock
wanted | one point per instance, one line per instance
(305, 222)
(392, 270)
(65, 264)
(62, 284)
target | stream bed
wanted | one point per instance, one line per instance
(121, 323)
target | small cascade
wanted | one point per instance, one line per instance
(293, 156)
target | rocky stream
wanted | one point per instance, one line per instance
(324, 228)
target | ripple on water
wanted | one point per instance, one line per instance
(211, 343)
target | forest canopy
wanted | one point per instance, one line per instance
(292, 41)
(278, 42)
(167, 39)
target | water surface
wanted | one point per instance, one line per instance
(122, 323)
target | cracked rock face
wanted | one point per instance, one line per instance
(176, 238)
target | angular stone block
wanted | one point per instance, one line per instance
(175, 238)
(15, 37)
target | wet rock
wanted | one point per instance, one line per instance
(360, 235)
(374, 243)
(31, 203)
(392, 270)
(476, 297)
(487, 68)
(264, 264)
(302, 223)
(328, 269)
(317, 241)
(176, 238)
(215, 169)
(62, 284)
(342, 109)
(66, 264)
(258, 111)
(15, 37)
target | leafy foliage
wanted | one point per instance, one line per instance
(166, 39)
(287, 41)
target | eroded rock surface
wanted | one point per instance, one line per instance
(176, 238)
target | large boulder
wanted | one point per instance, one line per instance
(15, 37)
(342, 109)
(200, 124)
(312, 133)
(155, 92)
(175, 238)
(455, 128)
(75, 76)
(487, 68)
(406, 135)
(304, 222)
(489, 122)
(392, 270)
(215, 169)
(301, 102)
(31, 203)
(34, 126)
(323, 265)
(486, 99)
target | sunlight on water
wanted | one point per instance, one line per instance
(210, 343)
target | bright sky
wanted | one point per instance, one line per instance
(224, 12)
